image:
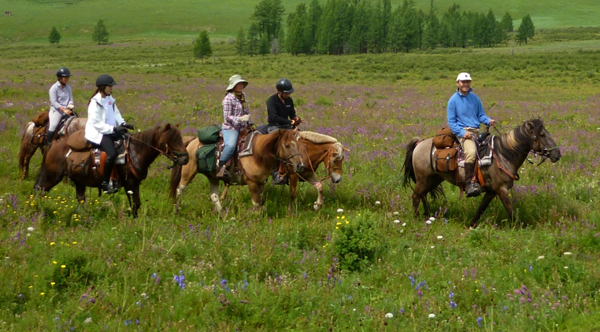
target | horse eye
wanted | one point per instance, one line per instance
(287, 145)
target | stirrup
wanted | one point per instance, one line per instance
(107, 188)
(223, 173)
(474, 190)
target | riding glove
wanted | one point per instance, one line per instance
(245, 118)
(127, 125)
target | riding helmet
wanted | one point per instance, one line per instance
(284, 85)
(63, 72)
(105, 80)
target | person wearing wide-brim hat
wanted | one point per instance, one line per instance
(237, 116)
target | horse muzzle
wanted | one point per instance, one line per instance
(336, 178)
(299, 167)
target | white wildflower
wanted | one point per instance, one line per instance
(30, 229)
(432, 218)
(440, 237)
(428, 222)
(541, 257)
(88, 320)
(403, 224)
(340, 210)
(377, 203)
(431, 315)
(396, 213)
(567, 253)
(389, 315)
(566, 267)
(396, 221)
(432, 247)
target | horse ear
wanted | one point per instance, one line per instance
(177, 125)
(167, 127)
(530, 127)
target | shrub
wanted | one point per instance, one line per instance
(357, 242)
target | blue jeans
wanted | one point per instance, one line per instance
(230, 137)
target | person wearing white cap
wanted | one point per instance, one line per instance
(465, 115)
(237, 115)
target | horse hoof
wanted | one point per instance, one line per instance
(317, 206)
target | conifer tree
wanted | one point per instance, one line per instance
(240, 42)
(432, 31)
(507, 23)
(263, 46)
(253, 38)
(526, 29)
(100, 34)
(54, 37)
(202, 48)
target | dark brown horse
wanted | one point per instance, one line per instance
(510, 151)
(143, 148)
(28, 148)
(268, 151)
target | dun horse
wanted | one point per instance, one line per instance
(268, 151)
(143, 149)
(510, 151)
(315, 149)
(28, 148)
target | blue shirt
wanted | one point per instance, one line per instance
(465, 111)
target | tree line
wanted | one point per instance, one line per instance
(365, 26)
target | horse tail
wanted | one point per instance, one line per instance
(409, 171)
(175, 179)
(25, 146)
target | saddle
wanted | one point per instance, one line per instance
(40, 130)
(88, 160)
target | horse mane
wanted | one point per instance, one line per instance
(316, 137)
(339, 150)
(517, 143)
(270, 146)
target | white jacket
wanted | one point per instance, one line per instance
(96, 126)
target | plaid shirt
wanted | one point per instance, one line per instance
(232, 110)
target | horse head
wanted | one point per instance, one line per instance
(171, 145)
(333, 161)
(542, 140)
(287, 149)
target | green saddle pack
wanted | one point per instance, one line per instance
(207, 158)
(209, 135)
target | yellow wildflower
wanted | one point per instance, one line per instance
(63, 266)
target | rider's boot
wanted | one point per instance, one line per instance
(222, 173)
(106, 185)
(49, 137)
(473, 188)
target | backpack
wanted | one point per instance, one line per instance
(444, 138)
(206, 158)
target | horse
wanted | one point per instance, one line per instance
(315, 149)
(28, 148)
(142, 148)
(268, 151)
(509, 152)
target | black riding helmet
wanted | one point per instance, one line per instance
(284, 85)
(63, 72)
(105, 80)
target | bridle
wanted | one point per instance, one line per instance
(170, 154)
(545, 152)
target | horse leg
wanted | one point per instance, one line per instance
(420, 195)
(214, 194)
(255, 195)
(187, 175)
(80, 191)
(489, 196)
(137, 202)
(319, 186)
(293, 188)
(505, 199)
(25, 154)
(225, 191)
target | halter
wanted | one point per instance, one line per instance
(171, 155)
(545, 152)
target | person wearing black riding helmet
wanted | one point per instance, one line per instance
(105, 123)
(61, 101)
(282, 115)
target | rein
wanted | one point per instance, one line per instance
(171, 155)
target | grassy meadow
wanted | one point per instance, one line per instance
(151, 20)
(91, 267)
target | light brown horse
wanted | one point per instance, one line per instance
(315, 149)
(143, 149)
(28, 148)
(268, 151)
(510, 151)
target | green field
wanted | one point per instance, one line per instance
(179, 20)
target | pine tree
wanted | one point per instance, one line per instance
(526, 30)
(253, 38)
(100, 34)
(240, 42)
(54, 36)
(281, 41)
(432, 31)
(263, 47)
(507, 23)
(202, 48)
(315, 11)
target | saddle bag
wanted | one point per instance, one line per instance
(41, 119)
(444, 138)
(209, 135)
(39, 135)
(446, 160)
(206, 158)
(80, 162)
(78, 142)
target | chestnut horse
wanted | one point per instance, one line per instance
(509, 153)
(268, 151)
(315, 149)
(28, 148)
(143, 148)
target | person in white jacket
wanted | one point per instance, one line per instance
(104, 124)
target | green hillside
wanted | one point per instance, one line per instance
(31, 20)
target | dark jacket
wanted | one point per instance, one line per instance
(280, 114)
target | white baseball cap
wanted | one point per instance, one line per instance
(463, 77)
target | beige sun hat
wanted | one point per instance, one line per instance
(235, 79)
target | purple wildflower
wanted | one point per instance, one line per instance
(479, 319)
